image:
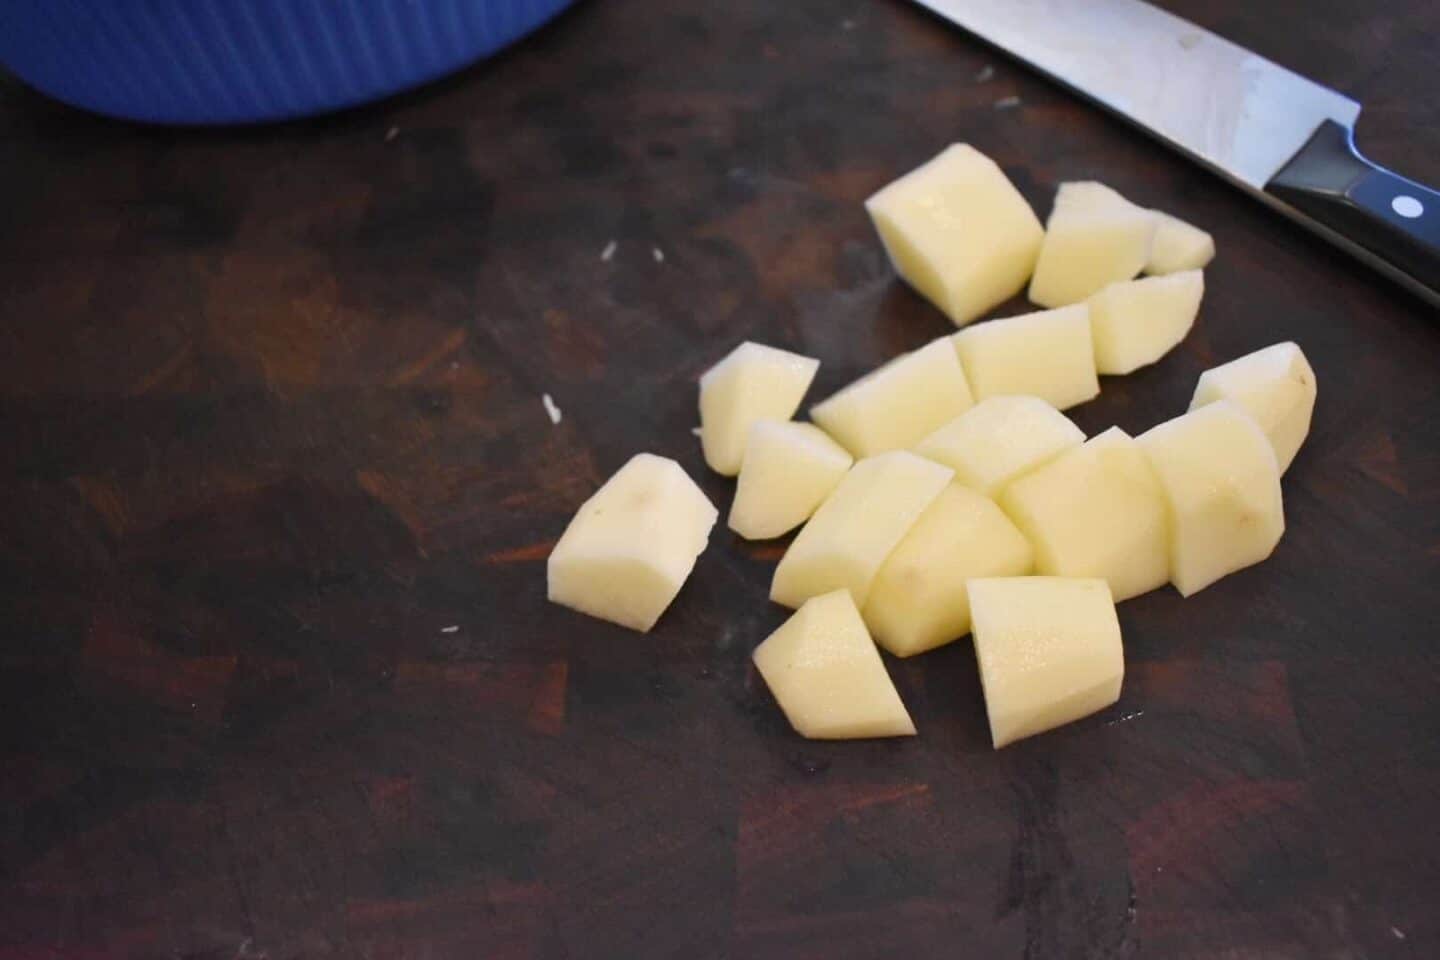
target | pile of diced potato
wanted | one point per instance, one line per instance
(945, 493)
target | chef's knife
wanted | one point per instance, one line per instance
(1284, 138)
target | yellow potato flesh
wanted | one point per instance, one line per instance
(1047, 354)
(893, 407)
(754, 382)
(1136, 322)
(1096, 511)
(788, 471)
(958, 231)
(1048, 649)
(1222, 484)
(1000, 439)
(919, 601)
(1275, 386)
(1094, 238)
(631, 546)
(845, 542)
(1178, 246)
(827, 675)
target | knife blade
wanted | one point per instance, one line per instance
(1285, 139)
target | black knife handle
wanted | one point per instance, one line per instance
(1395, 220)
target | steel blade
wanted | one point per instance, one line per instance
(1228, 108)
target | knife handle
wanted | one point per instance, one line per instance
(1395, 220)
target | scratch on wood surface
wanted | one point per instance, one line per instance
(533, 551)
(766, 551)
(448, 345)
(1377, 458)
(104, 498)
(163, 372)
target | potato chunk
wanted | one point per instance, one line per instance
(1094, 238)
(1275, 386)
(630, 547)
(1222, 483)
(1047, 354)
(919, 601)
(1049, 652)
(959, 232)
(896, 405)
(753, 382)
(1000, 439)
(828, 677)
(788, 471)
(855, 529)
(1136, 322)
(1096, 511)
(1178, 246)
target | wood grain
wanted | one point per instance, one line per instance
(277, 674)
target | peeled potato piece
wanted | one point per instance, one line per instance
(959, 232)
(855, 529)
(1094, 238)
(1096, 511)
(753, 382)
(1049, 652)
(1047, 354)
(1275, 386)
(894, 406)
(1178, 246)
(918, 601)
(1000, 439)
(1222, 484)
(631, 546)
(1136, 322)
(826, 674)
(788, 471)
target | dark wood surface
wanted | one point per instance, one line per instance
(270, 426)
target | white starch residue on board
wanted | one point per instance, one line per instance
(551, 411)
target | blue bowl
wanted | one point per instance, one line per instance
(242, 61)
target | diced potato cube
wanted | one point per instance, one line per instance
(855, 529)
(1094, 238)
(1178, 246)
(1096, 511)
(1047, 354)
(789, 470)
(630, 547)
(1275, 386)
(1000, 439)
(1136, 322)
(959, 232)
(1049, 652)
(1222, 483)
(896, 405)
(753, 382)
(919, 600)
(827, 675)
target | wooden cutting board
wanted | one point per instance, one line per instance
(277, 674)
